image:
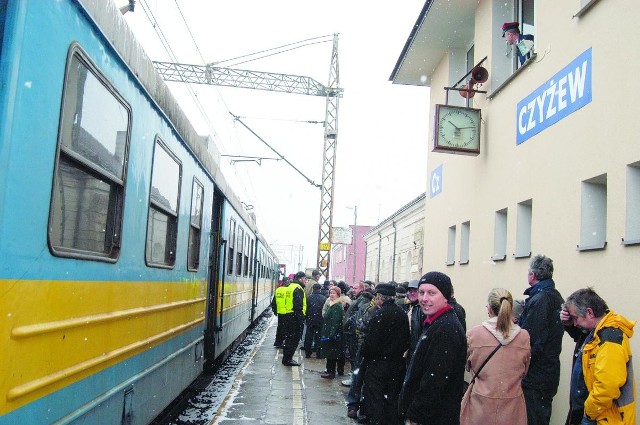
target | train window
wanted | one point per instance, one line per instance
(232, 244)
(164, 195)
(251, 254)
(193, 255)
(85, 217)
(239, 249)
(245, 268)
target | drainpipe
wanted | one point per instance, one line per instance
(379, 248)
(393, 260)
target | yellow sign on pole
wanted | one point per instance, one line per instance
(324, 246)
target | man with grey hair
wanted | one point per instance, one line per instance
(603, 368)
(541, 319)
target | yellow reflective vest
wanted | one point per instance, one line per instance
(288, 299)
(280, 294)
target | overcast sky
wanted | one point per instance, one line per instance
(382, 128)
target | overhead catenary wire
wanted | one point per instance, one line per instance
(237, 118)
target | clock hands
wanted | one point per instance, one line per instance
(458, 128)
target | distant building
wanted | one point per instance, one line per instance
(342, 258)
(395, 246)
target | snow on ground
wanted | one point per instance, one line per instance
(203, 407)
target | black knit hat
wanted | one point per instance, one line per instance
(440, 281)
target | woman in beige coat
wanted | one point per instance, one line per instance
(495, 397)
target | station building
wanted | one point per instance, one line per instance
(557, 169)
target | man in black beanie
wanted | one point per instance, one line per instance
(433, 385)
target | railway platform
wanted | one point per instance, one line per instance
(267, 392)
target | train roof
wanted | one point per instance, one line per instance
(110, 22)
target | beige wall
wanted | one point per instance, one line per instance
(601, 138)
(405, 230)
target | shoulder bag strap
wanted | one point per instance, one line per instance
(484, 363)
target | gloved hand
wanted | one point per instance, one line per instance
(587, 421)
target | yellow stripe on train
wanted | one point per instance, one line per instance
(55, 333)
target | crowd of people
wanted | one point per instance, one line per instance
(410, 352)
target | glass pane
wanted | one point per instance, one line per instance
(160, 242)
(165, 183)
(194, 248)
(196, 205)
(80, 210)
(94, 121)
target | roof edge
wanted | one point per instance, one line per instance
(407, 45)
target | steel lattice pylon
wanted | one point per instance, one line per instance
(231, 77)
(329, 163)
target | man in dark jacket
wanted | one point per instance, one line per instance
(416, 316)
(315, 301)
(350, 317)
(432, 388)
(384, 346)
(541, 318)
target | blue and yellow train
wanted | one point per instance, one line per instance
(127, 265)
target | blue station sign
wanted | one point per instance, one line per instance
(560, 96)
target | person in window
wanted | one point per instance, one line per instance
(523, 43)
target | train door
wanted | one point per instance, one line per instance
(215, 245)
(254, 279)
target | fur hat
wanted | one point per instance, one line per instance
(337, 289)
(440, 281)
(386, 289)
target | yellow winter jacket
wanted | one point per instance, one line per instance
(608, 372)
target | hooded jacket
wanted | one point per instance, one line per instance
(496, 395)
(608, 372)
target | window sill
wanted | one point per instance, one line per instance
(522, 255)
(630, 242)
(499, 257)
(462, 263)
(586, 248)
(450, 263)
(585, 8)
(512, 76)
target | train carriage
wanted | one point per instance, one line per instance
(127, 265)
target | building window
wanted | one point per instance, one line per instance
(505, 61)
(451, 246)
(523, 229)
(500, 236)
(195, 226)
(85, 217)
(164, 197)
(465, 229)
(632, 227)
(593, 214)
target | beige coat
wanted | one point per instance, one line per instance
(496, 398)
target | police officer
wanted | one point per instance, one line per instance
(277, 305)
(294, 310)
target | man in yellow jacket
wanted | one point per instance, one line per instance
(607, 372)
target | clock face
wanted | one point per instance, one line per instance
(457, 130)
